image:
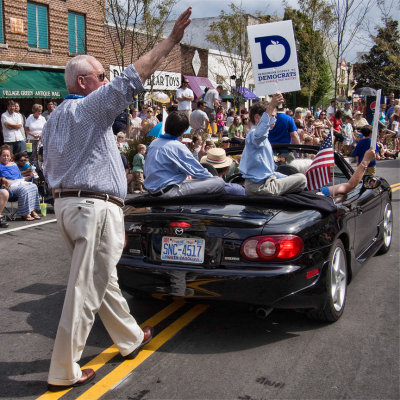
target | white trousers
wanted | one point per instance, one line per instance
(94, 233)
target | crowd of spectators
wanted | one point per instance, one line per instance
(223, 128)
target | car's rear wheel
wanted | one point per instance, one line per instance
(387, 229)
(336, 286)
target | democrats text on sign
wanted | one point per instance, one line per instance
(274, 58)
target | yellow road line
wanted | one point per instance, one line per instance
(120, 372)
(109, 353)
(396, 188)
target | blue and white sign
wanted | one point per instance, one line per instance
(274, 58)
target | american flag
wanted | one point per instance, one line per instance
(319, 174)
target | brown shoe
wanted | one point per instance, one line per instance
(148, 335)
(87, 376)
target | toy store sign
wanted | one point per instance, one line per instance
(274, 58)
(164, 80)
(160, 80)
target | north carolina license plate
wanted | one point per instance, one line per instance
(182, 249)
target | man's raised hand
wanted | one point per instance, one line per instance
(180, 25)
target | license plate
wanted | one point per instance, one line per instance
(182, 249)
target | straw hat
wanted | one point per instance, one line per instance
(217, 158)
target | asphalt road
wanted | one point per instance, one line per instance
(202, 351)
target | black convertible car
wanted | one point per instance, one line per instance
(297, 251)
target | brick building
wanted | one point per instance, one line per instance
(184, 60)
(37, 38)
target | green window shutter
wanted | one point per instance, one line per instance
(1, 22)
(42, 26)
(80, 30)
(32, 34)
(76, 33)
(71, 32)
(37, 26)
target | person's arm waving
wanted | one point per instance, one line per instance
(148, 63)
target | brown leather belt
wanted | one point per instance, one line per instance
(91, 195)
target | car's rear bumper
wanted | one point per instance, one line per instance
(288, 287)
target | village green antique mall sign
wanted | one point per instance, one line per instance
(16, 84)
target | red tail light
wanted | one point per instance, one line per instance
(179, 224)
(273, 247)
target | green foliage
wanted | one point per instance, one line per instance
(380, 68)
(229, 35)
(138, 25)
(131, 151)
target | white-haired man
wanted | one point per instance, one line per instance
(83, 166)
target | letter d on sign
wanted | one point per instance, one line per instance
(275, 51)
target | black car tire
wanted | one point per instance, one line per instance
(336, 286)
(387, 229)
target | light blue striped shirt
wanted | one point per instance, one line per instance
(257, 162)
(169, 162)
(79, 147)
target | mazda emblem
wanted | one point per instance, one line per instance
(179, 231)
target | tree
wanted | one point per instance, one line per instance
(381, 66)
(229, 35)
(307, 22)
(348, 16)
(134, 27)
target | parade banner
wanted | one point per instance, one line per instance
(274, 58)
(376, 118)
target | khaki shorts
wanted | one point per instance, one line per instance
(211, 114)
(138, 177)
(370, 171)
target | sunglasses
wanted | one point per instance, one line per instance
(100, 77)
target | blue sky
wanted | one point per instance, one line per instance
(212, 8)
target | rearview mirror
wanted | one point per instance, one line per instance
(371, 182)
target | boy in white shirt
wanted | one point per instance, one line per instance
(348, 135)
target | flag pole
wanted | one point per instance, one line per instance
(376, 119)
(333, 171)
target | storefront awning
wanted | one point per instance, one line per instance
(226, 97)
(198, 84)
(17, 84)
(246, 93)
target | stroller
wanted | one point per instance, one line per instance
(43, 188)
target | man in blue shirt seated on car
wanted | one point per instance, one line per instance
(257, 164)
(169, 163)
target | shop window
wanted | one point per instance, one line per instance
(1, 22)
(76, 33)
(37, 26)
